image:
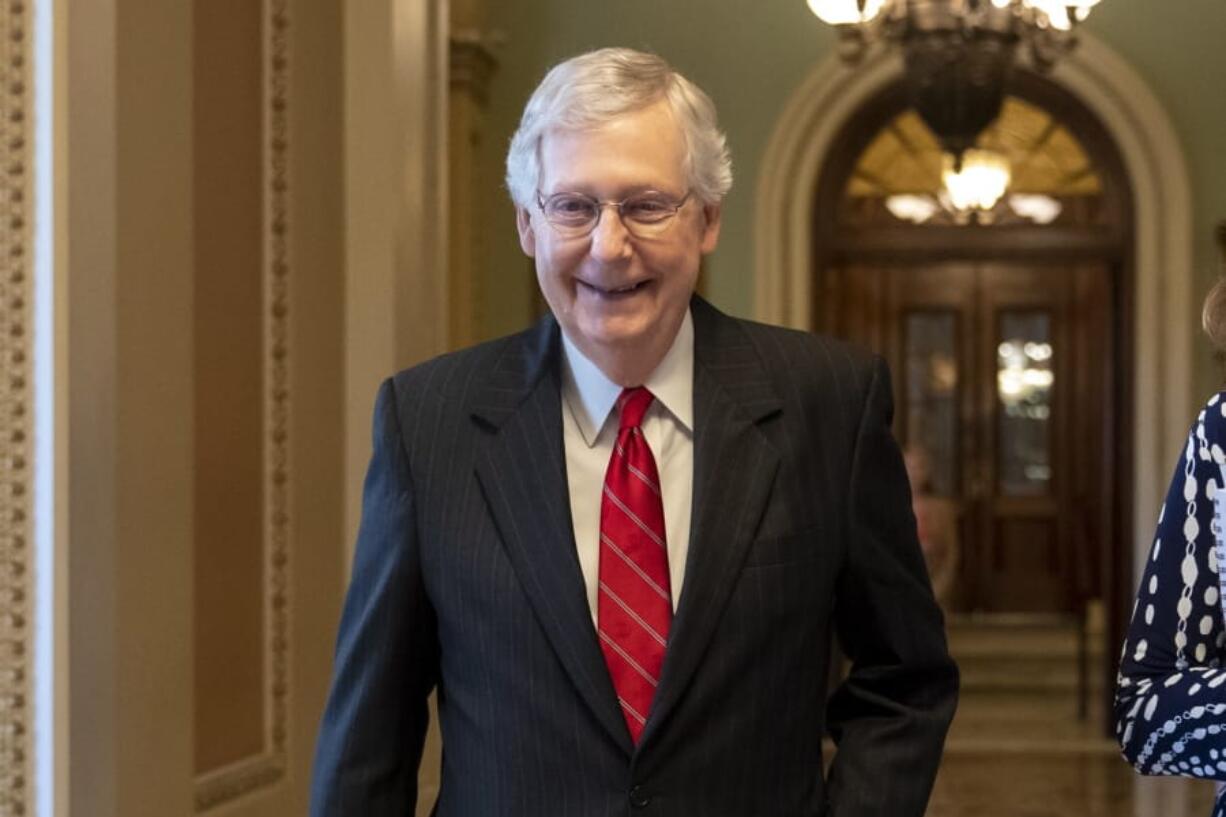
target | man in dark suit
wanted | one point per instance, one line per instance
(618, 544)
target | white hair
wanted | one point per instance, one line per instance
(594, 89)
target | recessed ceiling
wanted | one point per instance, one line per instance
(905, 158)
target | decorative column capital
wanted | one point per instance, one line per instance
(472, 61)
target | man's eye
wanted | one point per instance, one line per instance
(647, 209)
(571, 208)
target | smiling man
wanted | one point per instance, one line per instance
(619, 544)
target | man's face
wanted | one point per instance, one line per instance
(612, 292)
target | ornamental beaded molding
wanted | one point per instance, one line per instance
(16, 649)
(277, 344)
(221, 786)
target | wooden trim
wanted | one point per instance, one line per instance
(908, 244)
(221, 786)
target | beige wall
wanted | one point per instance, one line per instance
(228, 384)
(253, 207)
(398, 299)
(129, 385)
(203, 258)
(395, 204)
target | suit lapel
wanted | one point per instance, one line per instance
(523, 479)
(734, 470)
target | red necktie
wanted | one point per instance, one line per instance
(634, 610)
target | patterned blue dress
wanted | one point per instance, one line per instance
(1170, 699)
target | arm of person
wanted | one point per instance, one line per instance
(374, 725)
(1170, 698)
(890, 716)
(945, 539)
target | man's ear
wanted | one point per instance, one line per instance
(713, 214)
(527, 235)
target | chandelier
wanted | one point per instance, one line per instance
(958, 54)
(975, 184)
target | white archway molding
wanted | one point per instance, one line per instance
(1153, 158)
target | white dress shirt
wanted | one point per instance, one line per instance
(589, 428)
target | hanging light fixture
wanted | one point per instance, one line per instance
(975, 184)
(958, 54)
(845, 12)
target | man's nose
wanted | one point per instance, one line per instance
(610, 239)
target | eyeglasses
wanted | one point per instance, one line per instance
(645, 215)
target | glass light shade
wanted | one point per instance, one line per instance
(916, 209)
(1056, 12)
(845, 12)
(1035, 207)
(1000, 4)
(980, 183)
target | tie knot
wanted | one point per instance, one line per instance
(633, 405)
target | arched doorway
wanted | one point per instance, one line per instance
(1007, 340)
(1009, 345)
(1157, 270)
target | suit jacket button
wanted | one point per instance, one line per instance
(639, 798)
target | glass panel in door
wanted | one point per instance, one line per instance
(931, 372)
(1024, 383)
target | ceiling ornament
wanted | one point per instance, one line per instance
(957, 54)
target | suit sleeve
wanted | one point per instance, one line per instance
(386, 661)
(890, 716)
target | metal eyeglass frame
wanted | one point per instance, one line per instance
(631, 226)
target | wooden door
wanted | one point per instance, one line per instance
(1002, 375)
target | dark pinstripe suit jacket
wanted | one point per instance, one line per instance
(466, 580)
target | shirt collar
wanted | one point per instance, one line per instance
(591, 396)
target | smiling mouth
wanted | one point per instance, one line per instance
(615, 292)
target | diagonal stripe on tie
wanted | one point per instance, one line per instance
(628, 610)
(646, 480)
(655, 537)
(621, 554)
(631, 710)
(655, 489)
(629, 659)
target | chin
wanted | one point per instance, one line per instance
(619, 331)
